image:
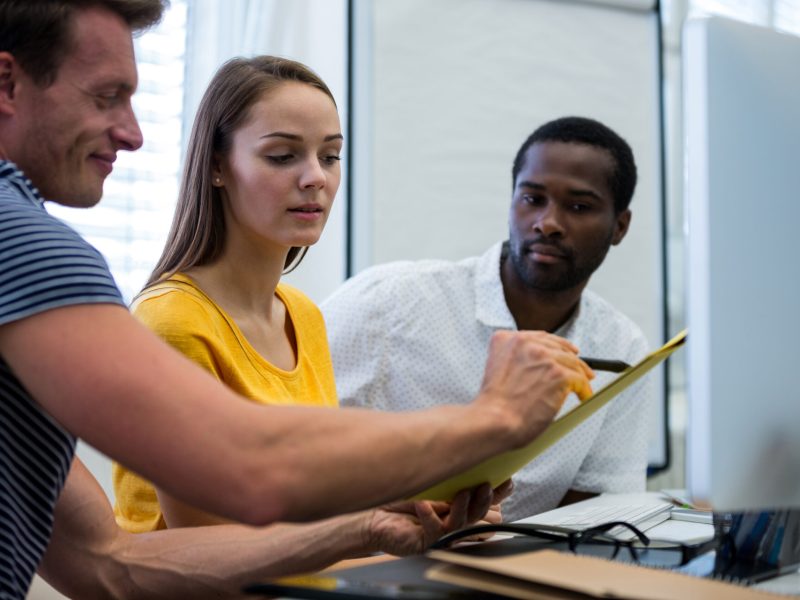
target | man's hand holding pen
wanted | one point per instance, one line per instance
(531, 373)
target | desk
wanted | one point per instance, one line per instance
(411, 570)
(785, 584)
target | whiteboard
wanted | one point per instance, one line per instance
(444, 92)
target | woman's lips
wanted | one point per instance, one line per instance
(307, 213)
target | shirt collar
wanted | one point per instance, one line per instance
(490, 301)
(11, 172)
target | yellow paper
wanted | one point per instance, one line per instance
(501, 467)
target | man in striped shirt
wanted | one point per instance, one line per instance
(74, 363)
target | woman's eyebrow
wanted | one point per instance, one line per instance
(294, 136)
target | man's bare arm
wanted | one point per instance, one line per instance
(89, 556)
(113, 383)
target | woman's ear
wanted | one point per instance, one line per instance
(217, 180)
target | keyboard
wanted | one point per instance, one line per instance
(594, 512)
(634, 514)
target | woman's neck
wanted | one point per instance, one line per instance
(244, 287)
(243, 283)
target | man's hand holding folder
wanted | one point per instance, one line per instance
(516, 366)
(503, 466)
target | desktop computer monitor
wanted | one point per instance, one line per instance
(742, 110)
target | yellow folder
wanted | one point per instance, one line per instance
(501, 467)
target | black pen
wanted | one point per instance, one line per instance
(601, 364)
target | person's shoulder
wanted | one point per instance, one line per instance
(16, 189)
(12, 200)
(296, 300)
(23, 216)
(294, 294)
(404, 269)
(597, 305)
(172, 304)
(402, 277)
(46, 263)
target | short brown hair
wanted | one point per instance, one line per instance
(39, 32)
(198, 231)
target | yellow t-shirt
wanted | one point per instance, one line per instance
(180, 313)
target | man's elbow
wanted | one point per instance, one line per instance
(261, 500)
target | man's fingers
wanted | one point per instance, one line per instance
(573, 361)
(469, 506)
(457, 517)
(530, 374)
(578, 375)
(561, 350)
(582, 387)
(480, 502)
(549, 340)
(432, 525)
(587, 370)
(502, 491)
(441, 507)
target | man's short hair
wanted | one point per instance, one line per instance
(39, 32)
(580, 130)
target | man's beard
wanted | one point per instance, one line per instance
(564, 275)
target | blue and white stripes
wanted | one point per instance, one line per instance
(44, 264)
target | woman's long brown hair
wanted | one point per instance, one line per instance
(197, 234)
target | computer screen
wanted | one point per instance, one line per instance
(742, 134)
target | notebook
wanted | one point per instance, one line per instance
(501, 467)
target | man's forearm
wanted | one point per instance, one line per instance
(217, 561)
(90, 557)
(194, 438)
(528, 376)
(379, 457)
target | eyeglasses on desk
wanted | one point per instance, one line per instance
(596, 541)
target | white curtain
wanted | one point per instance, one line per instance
(221, 30)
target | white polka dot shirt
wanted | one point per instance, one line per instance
(412, 335)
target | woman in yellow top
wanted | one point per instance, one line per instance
(262, 169)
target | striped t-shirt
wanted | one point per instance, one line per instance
(44, 264)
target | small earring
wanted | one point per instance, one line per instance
(217, 180)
